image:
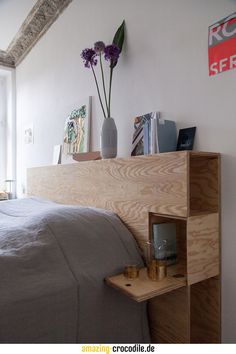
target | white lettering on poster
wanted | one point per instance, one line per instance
(232, 63)
(217, 27)
(213, 68)
(218, 67)
(214, 33)
(225, 32)
(223, 64)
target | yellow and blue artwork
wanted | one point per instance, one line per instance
(77, 131)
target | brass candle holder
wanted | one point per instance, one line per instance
(131, 271)
(156, 270)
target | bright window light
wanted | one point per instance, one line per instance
(7, 128)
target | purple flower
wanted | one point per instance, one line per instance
(99, 47)
(112, 53)
(88, 55)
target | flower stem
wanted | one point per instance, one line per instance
(103, 83)
(100, 99)
(109, 104)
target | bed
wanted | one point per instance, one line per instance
(53, 261)
(112, 205)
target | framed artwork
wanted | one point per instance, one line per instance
(77, 129)
(186, 139)
(29, 134)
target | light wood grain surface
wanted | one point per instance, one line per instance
(172, 321)
(204, 183)
(131, 187)
(202, 247)
(142, 288)
(205, 311)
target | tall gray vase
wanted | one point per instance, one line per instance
(108, 139)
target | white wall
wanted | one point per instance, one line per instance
(3, 123)
(164, 67)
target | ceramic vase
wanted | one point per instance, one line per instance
(108, 139)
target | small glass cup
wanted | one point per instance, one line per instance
(156, 268)
(149, 252)
(161, 248)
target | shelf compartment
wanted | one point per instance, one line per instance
(181, 241)
(194, 311)
(204, 188)
(143, 288)
(197, 239)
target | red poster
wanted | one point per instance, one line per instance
(222, 45)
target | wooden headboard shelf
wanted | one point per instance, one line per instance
(182, 186)
(132, 187)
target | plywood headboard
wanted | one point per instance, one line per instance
(134, 187)
(180, 185)
(131, 187)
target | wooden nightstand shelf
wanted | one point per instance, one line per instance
(143, 288)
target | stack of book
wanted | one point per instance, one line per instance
(152, 134)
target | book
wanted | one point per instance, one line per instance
(153, 142)
(152, 135)
(137, 143)
(141, 143)
(146, 137)
(166, 135)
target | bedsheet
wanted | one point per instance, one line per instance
(53, 261)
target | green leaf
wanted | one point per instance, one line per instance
(120, 36)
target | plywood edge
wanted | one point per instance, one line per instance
(204, 154)
(187, 154)
(188, 184)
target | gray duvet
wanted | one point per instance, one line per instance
(53, 261)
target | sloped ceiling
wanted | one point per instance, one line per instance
(24, 26)
(12, 15)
